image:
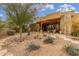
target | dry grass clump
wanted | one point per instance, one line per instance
(49, 40)
(33, 47)
(72, 50)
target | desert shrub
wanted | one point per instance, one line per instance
(33, 47)
(49, 40)
(72, 50)
(44, 35)
(10, 32)
(75, 34)
(34, 27)
(75, 27)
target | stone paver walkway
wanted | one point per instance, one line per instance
(67, 39)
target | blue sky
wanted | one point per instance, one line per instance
(55, 6)
(2, 14)
(49, 8)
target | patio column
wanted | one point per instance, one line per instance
(38, 27)
(41, 27)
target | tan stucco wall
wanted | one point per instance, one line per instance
(66, 21)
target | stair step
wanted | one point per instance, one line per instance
(0, 47)
(9, 54)
(3, 52)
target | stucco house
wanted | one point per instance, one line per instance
(61, 22)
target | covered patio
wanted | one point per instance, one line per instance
(52, 24)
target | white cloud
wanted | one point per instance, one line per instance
(1, 15)
(66, 8)
(76, 12)
(58, 9)
(65, 5)
(73, 8)
(48, 6)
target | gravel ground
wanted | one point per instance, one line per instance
(19, 49)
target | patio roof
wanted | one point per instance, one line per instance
(50, 17)
(54, 16)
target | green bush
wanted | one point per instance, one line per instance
(73, 50)
(49, 40)
(75, 34)
(10, 32)
(33, 47)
